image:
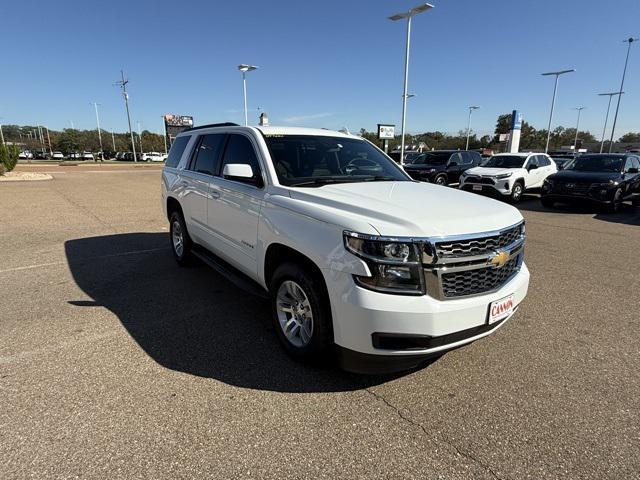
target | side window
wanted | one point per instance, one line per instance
(628, 164)
(207, 154)
(477, 158)
(533, 160)
(543, 161)
(177, 149)
(455, 158)
(636, 162)
(467, 159)
(240, 150)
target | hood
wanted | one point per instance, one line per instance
(408, 208)
(584, 177)
(490, 171)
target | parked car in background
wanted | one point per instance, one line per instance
(74, 156)
(356, 259)
(605, 179)
(152, 157)
(87, 156)
(40, 155)
(509, 175)
(25, 154)
(57, 156)
(442, 167)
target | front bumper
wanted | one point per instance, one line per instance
(592, 194)
(361, 315)
(496, 189)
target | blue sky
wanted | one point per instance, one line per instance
(326, 64)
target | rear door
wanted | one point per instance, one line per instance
(195, 179)
(533, 175)
(453, 167)
(234, 205)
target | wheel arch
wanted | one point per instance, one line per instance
(173, 205)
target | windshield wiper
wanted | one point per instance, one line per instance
(379, 178)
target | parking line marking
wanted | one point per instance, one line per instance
(121, 254)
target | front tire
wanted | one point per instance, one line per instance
(301, 312)
(516, 192)
(440, 180)
(616, 205)
(181, 244)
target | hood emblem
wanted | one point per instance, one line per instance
(499, 259)
(571, 185)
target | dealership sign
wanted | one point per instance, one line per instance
(175, 124)
(386, 132)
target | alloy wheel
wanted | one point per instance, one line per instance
(294, 313)
(178, 238)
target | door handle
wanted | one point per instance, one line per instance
(215, 194)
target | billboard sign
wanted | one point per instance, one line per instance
(516, 120)
(175, 124)
(386, 132)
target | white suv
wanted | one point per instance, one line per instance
(354, 256)
(509, 174)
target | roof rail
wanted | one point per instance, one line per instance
(211, 125)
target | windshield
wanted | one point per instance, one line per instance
(432, 159)
(596, 164)
(505, 161)
(307, 160)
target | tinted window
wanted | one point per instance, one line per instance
(596, 163)
(177, 148)
(476, 157)
(432, 158)
(466, 158)
(207, 154)
(455, 158)
(533, 160)
(543, 161)
(240, 150)
(636, 162)
(505, 161)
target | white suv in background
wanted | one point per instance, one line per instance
(152, 157)
(509, 174)
(354, 256)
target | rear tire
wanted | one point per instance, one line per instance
(301, 312)
(516, 192)
(181, 244)
(546, 202)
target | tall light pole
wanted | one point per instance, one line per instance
(95, 105)
(629, 40)
(2, 134)
(123, 84)
(49, 140)
(113, 139)
(140, 137)
(553, 101)
(471, 109)
(244, 68)
(575, 141)
(401, 16)
(606, 117)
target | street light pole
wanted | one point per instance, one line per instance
(113, 139)
(629, 40)
(244, 68)
(400, 16)
(471, 109)
(606, 117)
(553, 101)
(575, 141)
(140, 138)
(164, 128)
(99, 133)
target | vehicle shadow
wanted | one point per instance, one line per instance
(193, 320)
(628, 215)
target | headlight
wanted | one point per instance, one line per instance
(394, 264)
(432, 170)
(503, 175)
(610, 183)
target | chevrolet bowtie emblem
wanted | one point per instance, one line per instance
(500, 259)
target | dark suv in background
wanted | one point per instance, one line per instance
(443, 167)
(604, 179)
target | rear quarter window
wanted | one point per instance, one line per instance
(177, 149)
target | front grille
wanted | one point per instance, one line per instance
(482, 180)
(477, 281)
(576, 188)
(480, 245)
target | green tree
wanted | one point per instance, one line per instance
(630, 137)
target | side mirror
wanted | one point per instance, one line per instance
(532, 167)
(632, 170)
(241, 172)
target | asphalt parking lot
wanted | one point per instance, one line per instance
(115, 363)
